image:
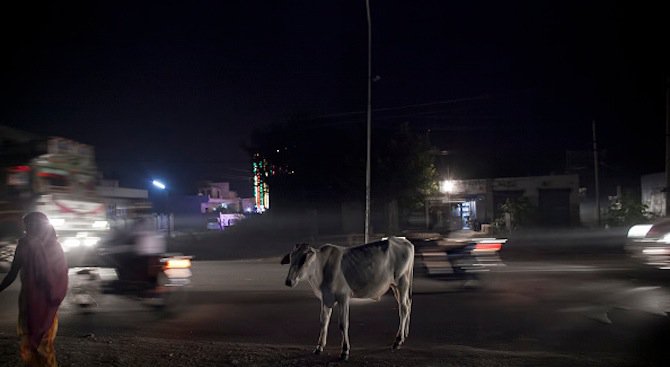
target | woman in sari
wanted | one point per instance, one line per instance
(40, 259)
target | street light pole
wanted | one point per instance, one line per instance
(667, 146)
(595, 172)
(369, 126)
(160, 185)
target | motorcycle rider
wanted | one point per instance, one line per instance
(136, 250)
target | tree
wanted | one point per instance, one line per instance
(627, 210)
(403, 169)
(307, 164)
(317, 162)
(520, 210)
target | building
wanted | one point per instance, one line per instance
(652, 188)
(261, 170)
(123, 203)
(220, 207)
(218, 196)
(462, 202)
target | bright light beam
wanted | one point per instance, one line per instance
(158, 184)
(447, 186)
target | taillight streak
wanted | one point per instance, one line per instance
(177, 264)
(488, 247)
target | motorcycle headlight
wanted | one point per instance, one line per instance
(639, 231)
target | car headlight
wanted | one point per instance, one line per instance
(91, 241)
(639, 231)
(70, 242)
(100, 224)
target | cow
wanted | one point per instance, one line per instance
(337, 274)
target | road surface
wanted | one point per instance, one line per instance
(596, 314)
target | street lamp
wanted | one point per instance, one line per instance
(158, 184)
(369, 127)
(447, 186)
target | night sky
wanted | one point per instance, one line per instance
(173, 89)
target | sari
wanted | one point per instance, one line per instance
(45, 353)
(44, 282)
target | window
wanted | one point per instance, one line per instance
(85, 183)
(52, 180)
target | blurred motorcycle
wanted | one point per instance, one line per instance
(649, 243)
(163, 287)
(6, 256)
(457, 259)
(134, 265)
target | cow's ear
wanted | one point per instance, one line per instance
(286, 259)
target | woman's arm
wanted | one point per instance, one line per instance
(14, 270)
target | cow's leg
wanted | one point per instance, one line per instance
(401, 292)
(406, 296)
(401, 327)
(344, 328)
(325, 321)
(409, 314)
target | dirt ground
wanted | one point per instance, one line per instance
(91, 351)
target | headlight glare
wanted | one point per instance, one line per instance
(57, 222)
(70, 242)
(639, 231)
(91, 241)
(100, 224)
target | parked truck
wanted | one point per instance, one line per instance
(55, 176)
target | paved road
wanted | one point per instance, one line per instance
(597, 310)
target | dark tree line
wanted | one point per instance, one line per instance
(315, 163)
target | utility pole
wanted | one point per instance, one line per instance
(667, 146)
(369, 128)
(595, 172)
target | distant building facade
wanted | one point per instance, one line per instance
(261, 170)
(122, 202)
(222, 207)
(555, 197)
(219, 197)
(652, 188)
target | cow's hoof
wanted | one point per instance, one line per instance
(318, 350)
(344, 357)
(397, 345)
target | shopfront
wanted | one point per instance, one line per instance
(467, 204)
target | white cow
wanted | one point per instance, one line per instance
(337, 274)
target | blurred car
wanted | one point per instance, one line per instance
(213, 224)
(649, 243)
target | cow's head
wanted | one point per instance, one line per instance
(300, 258)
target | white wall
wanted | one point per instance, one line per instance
(651, 186)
